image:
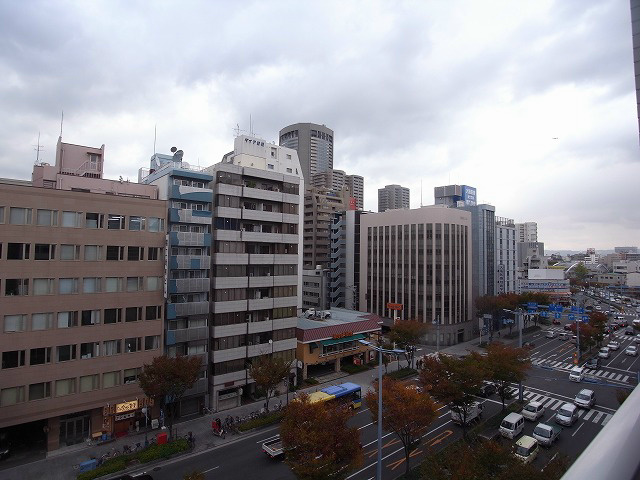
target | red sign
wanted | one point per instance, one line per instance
(342, 335)
(394, 306)
(352, 203)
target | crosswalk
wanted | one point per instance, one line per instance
(603, 374)
(550, 403)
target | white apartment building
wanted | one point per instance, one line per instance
(527, 232)
(506, 255)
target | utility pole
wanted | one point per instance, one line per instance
(519, 315)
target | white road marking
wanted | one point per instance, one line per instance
(606, 419)
(557, 405)
(589, 414)
(597, 418)
(211, 469)
(574, 433)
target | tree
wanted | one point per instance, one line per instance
(166, 379)
(588, 335)
(580, 272)
(506, 365)
(454, 381)
(404, 411)
(317, 441)
(406, 333)
(268, 371)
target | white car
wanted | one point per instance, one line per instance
(576, 374)
(613, 345)
(532, 411)
(631, 350)
(637, 338)
(585, 398)
(551, 334)
(604, 352)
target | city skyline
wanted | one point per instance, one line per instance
(538, 114)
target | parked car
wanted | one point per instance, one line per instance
(567, 414)
(592, 364)
(550, 334)
(512, 425)
(526, 449)
(637, 338)
(613, 345)
(533, 411)
(487, 389)
(546, 434)
(631, 350)
(629, 331)
(473, 414)
(604, 352)
(585, 398)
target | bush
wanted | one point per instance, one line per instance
(262, 421)
(311, 381)
(402, 373)
(351, 368)
(110, 466)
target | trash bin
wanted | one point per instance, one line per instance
(162, 438)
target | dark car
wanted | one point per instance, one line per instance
(567, 327)
(528, 345)
(487, 389)
(592, 363)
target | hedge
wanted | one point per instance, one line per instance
(261, 421)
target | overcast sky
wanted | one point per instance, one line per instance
(533, 103)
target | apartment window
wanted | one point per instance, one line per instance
(38, 391)
(133, 314)
(1, 214)
(131, 375)
(153, 312)
(115, 222)
(67, 319)
(111, 347)
(11, 396)
(136, 224)
(196, 349)
(69, 252)
(89, 383)
(93, 220)
(156, 224)
(44, 251)
(71, 219)
(89, 350)
(40, 356)
(47, 218)
(18, 251)
(19, 216)
(111, 379)
(152, 342)
(134, 284)
(91, 284)
(92, 253)
(112, 315)
(153, 253)
(112, 284)
(14, 323)
(90, 317)
(135, 253)
(16, 286)
(66, 386)
(115, 252)
(13, 359)
(67, 286)
(41, 321)
(154, 283)
(64, 353)
(43, 286)
(133, 344)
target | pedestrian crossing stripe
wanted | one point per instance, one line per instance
(551, 403)
(620, 377)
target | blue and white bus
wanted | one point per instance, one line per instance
(346, 393)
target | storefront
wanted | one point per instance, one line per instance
(122, 418)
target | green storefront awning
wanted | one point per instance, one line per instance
(350, 338)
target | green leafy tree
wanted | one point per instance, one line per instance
(166, 379)
(268, 372)
(505, 365)
(579, 272)
(406, 333)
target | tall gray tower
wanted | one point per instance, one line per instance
(392, 196)
(314, 144)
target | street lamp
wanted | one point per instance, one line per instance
(380, 351)
(437, 322)
(518, 314)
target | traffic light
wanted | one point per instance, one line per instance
(575, 358)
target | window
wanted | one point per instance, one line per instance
(136, 223)
(115, 222)
(93, 220)
(115, 252)
(67, 319)
(14, 323)
(11, 396)
(131, 375)
(134, 284)
(152, 342)
(38, 391)
(71, 219)
(153, 253)
(69, 252)
(196, 349)
(112, 315)
(111, 379)
(44, 251)
(89, 350)
(153, 312)
(64, 353)
(19, 216)
(67, 286)
(90, 317)
(111, 347)
(133, 314)
(13, 359)
(43, 286)
(154, 283)
(92, 253)
(47, 218)
(132, 344)
(16, 286)
(156, 224)
(18, 251)
(41, 321)
(66, 386)
(1, 214)
(89, 383)
(91, 284)
(135, 253)
(113, 284)
(40, 356)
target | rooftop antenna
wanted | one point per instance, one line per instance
(155, 136)
(38, 148)
(420, 192)
(250, 125)
(61, 122)
(237, 129)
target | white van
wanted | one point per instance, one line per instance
(526, 449)
(473, 414)
(512, 425)
(576, 374)
(564, 336)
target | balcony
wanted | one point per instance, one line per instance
(228, 212)
(285, 302)
(260, 303)
(185, 215)
(189, 285)
(261, 215)
(175, 310)
(260, 194)
(190, 262)
(198, 388)
(192, 194)
(266, 281)
(187, 335)
(189, 239)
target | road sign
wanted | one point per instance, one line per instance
(572, 317)
(585, 318)
(544, 314)
(532, 305)
(558, 315)
(581, 310)
(507, 321)
(574, 309)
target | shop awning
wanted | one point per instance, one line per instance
(350, 338)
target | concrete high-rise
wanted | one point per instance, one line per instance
(455, 195)
(392, 197)
(506, 256)
(355, 184)
(527, 232)
(314, 144)
(345, 259)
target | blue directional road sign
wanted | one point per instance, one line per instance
(532, 305)
(544, 314)
(584, 318)
(581, 310)
(572, 317)
(574, 309)
(558, 315)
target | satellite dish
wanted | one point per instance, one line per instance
(173, 149)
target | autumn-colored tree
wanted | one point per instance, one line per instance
(505, 365)
(588, 335)
(195, 475)
(404, 411)
(317, 440)
(166, 379)
(268, 371)
(406, 333)
(598, 321)
(453, 381)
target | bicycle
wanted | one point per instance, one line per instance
(207, 411)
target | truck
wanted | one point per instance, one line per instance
(273, 447)
(546, 434)
(474, 413)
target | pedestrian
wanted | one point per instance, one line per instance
(498, 333)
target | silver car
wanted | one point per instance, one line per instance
(567, 414)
